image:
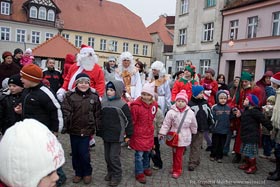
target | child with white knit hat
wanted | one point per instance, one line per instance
(30, 155)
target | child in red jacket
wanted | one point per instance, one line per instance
(143, 111)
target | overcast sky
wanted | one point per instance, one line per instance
(149, 10)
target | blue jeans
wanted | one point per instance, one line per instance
(277, 150)
(142, 161)
(81, 155)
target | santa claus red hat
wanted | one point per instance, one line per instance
(86, 49)
(276, 78)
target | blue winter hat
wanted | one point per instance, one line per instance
(196, 89)
(253, 99)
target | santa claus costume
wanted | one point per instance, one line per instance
(86, 63)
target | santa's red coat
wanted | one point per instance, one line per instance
(96, 75)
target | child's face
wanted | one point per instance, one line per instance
(83, 85)
(27, 83)
(14, 89)
(269, 103)
(147, 98)
(49, 180)
(246, 102)
(200, 95)
(222, 99)
(111, 92)
(180, 103)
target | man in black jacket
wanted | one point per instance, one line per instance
(52, 75)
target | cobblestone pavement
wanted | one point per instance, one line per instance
(207, 174)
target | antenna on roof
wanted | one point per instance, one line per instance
(100, 2)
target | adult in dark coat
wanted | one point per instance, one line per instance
(7, 67)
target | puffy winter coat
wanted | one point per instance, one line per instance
(143, 115)
(116, 117)
(172, 121)
(251, 119)
(81, 112)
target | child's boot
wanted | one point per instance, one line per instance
(141, 178)
(253, 168)
(246, 165)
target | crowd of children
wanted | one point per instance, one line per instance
(199, 108)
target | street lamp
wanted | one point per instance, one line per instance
(217, 48)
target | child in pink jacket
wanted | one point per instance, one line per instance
(189, 127)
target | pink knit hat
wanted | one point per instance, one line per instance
(182, 95)
(149, 88)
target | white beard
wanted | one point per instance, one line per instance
(86, 62)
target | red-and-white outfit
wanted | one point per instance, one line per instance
(86, 63)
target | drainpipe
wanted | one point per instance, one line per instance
(221, 39)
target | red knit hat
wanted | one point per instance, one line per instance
(276, 78)
(6, 54)
(32, 73)
(182, 95)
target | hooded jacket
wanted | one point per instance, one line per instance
(221, 114)
(81, 112)
(116, 117)
(143, 115)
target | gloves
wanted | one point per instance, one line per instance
(60, 94)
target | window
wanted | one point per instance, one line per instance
(210, 3)
(208, 32)
(42, 13)
(135, 48)
(20, 35)
(125, 47)
(184, 6)
(33, 12)
(50, 15)
(276, 24)
(249, 66)
(78, 41)
(5, 8)
(5, 33)
(180, 65)
(91, 42)
(182, 36)
(35, 37)
(66, 36)
(233, 30)
(102, 45)
(114, 46)
(49, 35)
(252, 27)
(204, 65)
(272, 65)
(145, 50)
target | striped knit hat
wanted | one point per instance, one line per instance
(32, 73)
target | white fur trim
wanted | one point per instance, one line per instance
(275, 81)
(72, 80)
